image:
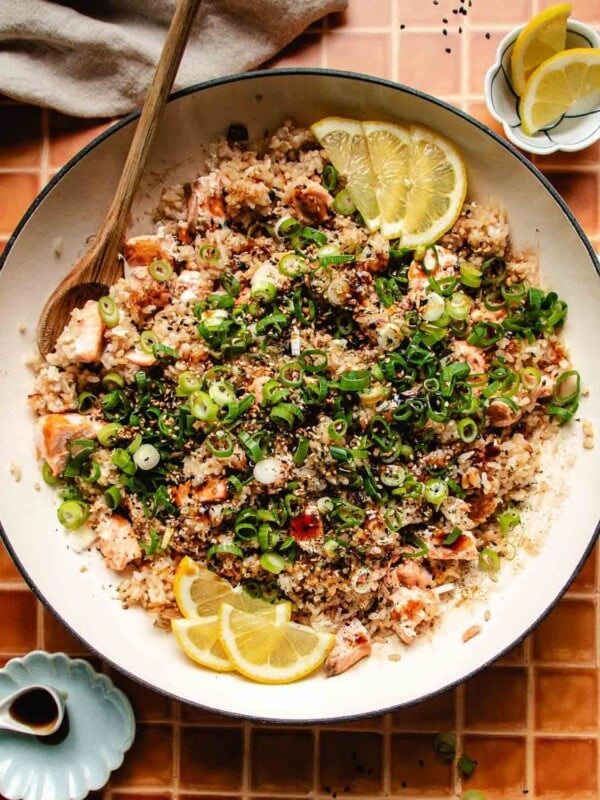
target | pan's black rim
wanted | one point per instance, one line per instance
(353, 76)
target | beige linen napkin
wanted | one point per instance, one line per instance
(95, 58)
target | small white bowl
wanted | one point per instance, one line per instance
(574, 131)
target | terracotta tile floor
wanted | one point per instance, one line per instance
(530, 721)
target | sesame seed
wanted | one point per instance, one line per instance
(488, 36)
(448, 49)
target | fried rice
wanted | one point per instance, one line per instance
(328, 418)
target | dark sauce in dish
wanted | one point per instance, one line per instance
(36, 708)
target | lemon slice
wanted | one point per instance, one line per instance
(199, 593)
(435, 188)
(544, 36)
(557, 85)
(271, 652)
(199, 639)
(389, 148)
(346, 147)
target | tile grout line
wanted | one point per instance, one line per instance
(386, 755)
(459, 705)
(246, 755)
(176, 719)
(316, 760)
(395, 40)
(529, 736)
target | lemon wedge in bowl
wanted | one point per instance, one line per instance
(389, 149)
(346, 147)
(199, 638)
(199, 593)
(543, 37)
(271, 651)
(436, 188)
(561, 82)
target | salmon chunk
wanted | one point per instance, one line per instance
(139, 358)
(412, 609)
(55, 432)
(117, 542)
(81, 339)
(140, 251)
(352, 642)
(312, 202)
(205, 203)
(213, 491)
(194, 285)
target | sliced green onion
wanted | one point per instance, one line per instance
(355, 380)
(384, 292)
(272, 562)
(436, 491)
(489, 560)
(467, 429)
(202, 407)
(164, 351)
(485, 334)
(458, 305)
(109, 433)
(73, 513)
(301, 451)
(113, 497)
(452, 537)
(337, 429)
(146, 457)
(49, 477)
(392, 475)
(264, 292)
(292, 265)
(287, 227)
(251, 442)
(224, 549)
(286, 414)
(85, 401)
(508, 520)
(135, 443)
(466, 766)
(469, 275)
(287, 373)
(444, 745)
(338, 291)
(418, 542)
(390, 336)
(330, 177)
(313, 361)
(393, 518)
(121, 459)
(530, 378)
(160, 270)
(325, 505)
(343, 204)
(220, 444)
(147, 341)
(567, 388)
(314, 235)
(210, 253)
(112, 380)
(107, 308)
(222, 392)
(187, 384)
(90, 471)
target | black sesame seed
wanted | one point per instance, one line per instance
(460, 29)
(448, 49)
(402, 26)
(445, 20)
(488, 36)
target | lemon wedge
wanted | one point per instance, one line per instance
(389, 148)
(346, 147)
(561, 82)
(199, 593)
(543, 37)
(435, 188)
(199, 638)
(269, 651)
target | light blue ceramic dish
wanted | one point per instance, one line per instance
(101, 728)
(577, 129)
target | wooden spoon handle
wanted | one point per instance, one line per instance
(110, 237)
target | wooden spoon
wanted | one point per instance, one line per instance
(101, 266)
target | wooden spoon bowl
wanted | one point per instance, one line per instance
(101, 266)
